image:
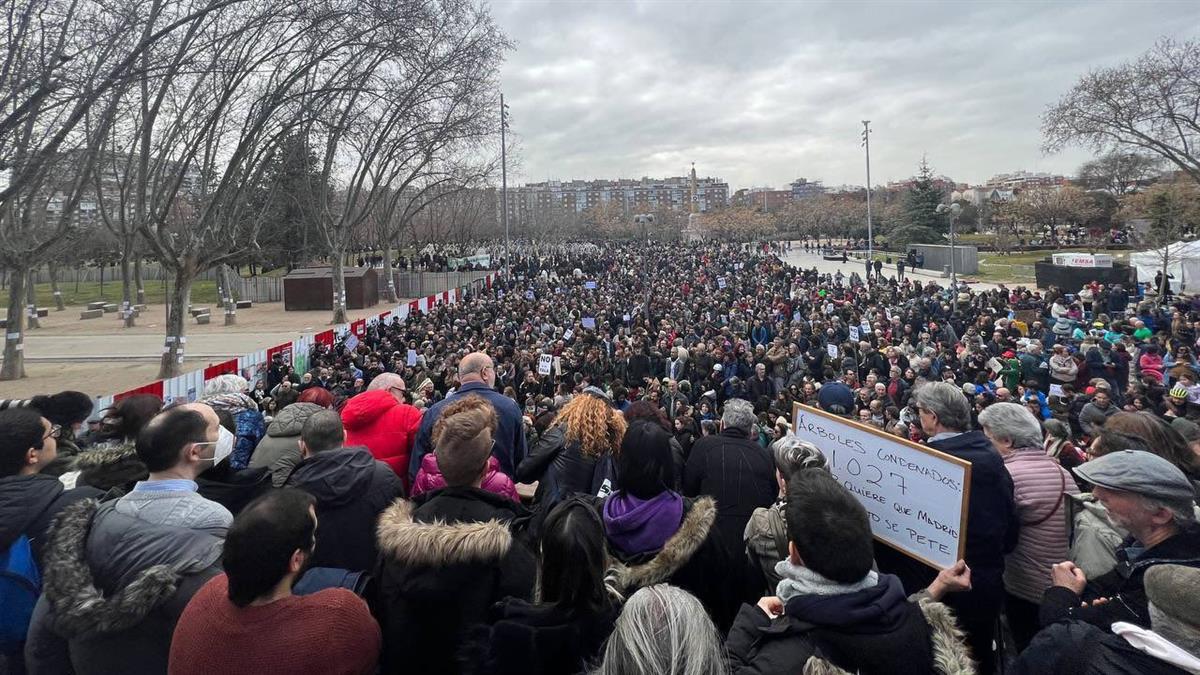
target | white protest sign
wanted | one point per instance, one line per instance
(412, 357)
(832, 350)
(854, 333)
(590, 285)
(916, 497)
(352, 342)
(721, 283)
(568, 334)
(1056, 390)
(589, 322)
(626, 317)
(528, 295)
(544, 363)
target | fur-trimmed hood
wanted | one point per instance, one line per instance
(950, 653)
(80, 607)
(109, 466)
(679, 549)
(435, 544)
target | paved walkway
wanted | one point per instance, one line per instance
(799, 258)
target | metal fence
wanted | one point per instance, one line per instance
(259, 289)
(421, 284)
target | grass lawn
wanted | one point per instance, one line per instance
(1019, 266)
(89, 291)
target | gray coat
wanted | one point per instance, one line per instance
(280, 448)
(115, 583)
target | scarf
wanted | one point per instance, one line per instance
(642, 525)
(796, 580)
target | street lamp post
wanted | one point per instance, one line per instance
(866, 136)
(954, 210)
(645, 220)
(504, 187)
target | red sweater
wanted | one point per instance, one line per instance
(328, 632)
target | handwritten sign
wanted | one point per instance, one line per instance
(831, 349)
(351, 342)
(915, 496)
(544, 363)
(589, 322)
(412, 358)
(854, 333)
(590, 285)
(721, 283)
(568, 334)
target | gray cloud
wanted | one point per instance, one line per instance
(763, 92)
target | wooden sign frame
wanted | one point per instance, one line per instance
(966, 466)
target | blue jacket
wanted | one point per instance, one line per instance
(510, 431)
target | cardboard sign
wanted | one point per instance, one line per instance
(590, 285)
(544, 363)
(568, 334)
(854, 333)
(832, 350)
(1056, 390)
(351, 342)
(412, 357)
(915, 496)
(721, 283)
(589, 322)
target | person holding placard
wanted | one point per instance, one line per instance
(992, 525)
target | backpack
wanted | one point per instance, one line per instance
(20, 585)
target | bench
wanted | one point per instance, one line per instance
(139, 308)
(99, 304)
(111, 308)
(202, 318)
(91, 314)
(197, 311)
(244, 304)
(42, 312)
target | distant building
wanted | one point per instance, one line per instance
(942, 183)
(539, 202)
(1020, 180)
(764, 198)
(982, 195)
(802, 188)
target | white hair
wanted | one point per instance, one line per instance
(1012, 422)
(738, 414)
(663, 629)
(226, 384)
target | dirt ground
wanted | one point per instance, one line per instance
(101, 356)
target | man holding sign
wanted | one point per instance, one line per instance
(992, 524)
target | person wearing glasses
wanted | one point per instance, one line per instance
(477, 376)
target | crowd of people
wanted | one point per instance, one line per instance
(587, 466)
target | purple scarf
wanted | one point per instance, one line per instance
(642, 526)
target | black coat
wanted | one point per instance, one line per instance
(561, 469)
(445, 559)
(694, 558)
(737, 472)
(875, 630)
(351, 488)
(527, 639)
(29, 503)
(1079, 648)
(233, 488)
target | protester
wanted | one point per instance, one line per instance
(351, 489)
(119, 574)
(477, 374)
(1153, 500)
(1040, 489)
(228, 393)
(663, 629)
(68, 410)
(111, 461)
(736, 471)
(832, 607)
(565, 628)
(279, 450)
(576, 454)
(656, 535)
(447, 557)
(766, 532)
(381, 421)
(429, 478)
(250, 614)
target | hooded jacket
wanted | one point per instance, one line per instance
(351, 489)
(875, 630)
(386, 427)
(29, 503)
(430, 478)
(280, 448)
(110, 466)
(249, 421)
(114, 586)
(445, 559)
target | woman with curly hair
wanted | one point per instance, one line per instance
(576, 454)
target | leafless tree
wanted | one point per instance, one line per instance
(1119, 172)
(1151, 104)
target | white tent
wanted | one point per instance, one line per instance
(1184, 265)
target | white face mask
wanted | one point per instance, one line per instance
(224, 445)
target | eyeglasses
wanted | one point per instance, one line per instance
(55, 432)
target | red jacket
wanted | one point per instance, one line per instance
(375, 420)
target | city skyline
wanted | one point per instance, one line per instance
(763, 93)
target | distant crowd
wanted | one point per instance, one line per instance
(588, 466)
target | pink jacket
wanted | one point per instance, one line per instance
(1151, 362)
(429, 479)
(1038, 486)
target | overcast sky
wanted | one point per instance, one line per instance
(760, 93)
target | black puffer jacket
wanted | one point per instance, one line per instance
(529, 639)
(29, 503)
(352, 488)
(1079, 648)
(561, 469)
(445, 559)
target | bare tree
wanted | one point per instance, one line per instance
(1119, 172)
(1151, 104)
(1168, 213)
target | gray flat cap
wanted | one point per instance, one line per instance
(1139, 472)
(597, 391)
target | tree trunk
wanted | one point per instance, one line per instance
(339, 289)
(179, 299)
(14, 354)
(227, 298)
(389, 290)
(126, 285)
(52, 268)
(138, 280)
(31, 298)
